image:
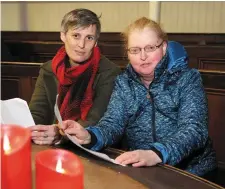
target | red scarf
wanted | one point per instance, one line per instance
(75, 85)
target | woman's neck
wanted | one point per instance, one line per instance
(147, 80)
(72, 63)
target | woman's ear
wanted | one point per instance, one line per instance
(96, 43)
(164, 47)
(63, 37)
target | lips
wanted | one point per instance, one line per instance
(80, 52)
(145, 65)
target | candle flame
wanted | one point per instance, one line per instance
(6, 144)
(59, 168)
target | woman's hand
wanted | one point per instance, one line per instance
(45, 134)
(139, 158)
(73, 128)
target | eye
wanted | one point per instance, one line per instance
(149, 48)
(90, 38)
(134, 50)
(76, 35)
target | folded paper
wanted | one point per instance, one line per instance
(16, 111)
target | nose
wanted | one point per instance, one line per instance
(143, 54)
(81, 43)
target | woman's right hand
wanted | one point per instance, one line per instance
(73, 128)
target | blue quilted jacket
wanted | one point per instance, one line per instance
(171, 116)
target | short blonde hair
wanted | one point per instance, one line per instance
(140, 24)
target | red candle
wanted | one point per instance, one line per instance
(15, 157)
(58, 169)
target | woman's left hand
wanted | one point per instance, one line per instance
(139, 158)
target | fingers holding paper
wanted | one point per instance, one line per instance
(44, 134)
(73, 128)
(49, 134)
(139, 158)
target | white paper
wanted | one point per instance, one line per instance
(16, 111)
(101, 155)
(98, 154)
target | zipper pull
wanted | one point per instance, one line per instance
(149, 97)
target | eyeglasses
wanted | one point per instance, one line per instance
(148, 48)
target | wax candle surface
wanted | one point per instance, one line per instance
(58, 169)
(15, 157)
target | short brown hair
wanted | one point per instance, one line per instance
(80, 18)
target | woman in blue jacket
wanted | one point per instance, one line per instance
(158, 105)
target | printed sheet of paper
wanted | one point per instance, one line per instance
(16, 111)
(101, 155)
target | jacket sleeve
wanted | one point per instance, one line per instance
(192, 123)
(103, 91)
(39, 106)
(110, 128)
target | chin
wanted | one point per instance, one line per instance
(79, 60)
(145, 72)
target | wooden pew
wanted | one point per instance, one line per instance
(214, 83)
(18, 79)
(206, 51)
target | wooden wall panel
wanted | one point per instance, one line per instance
(214, 83)
(33, 82)
(10, 87)
(17, 79)
(42, 46)
(211, 64)
(216, 103)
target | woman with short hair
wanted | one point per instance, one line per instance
(78, 73)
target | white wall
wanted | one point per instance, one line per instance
(10, 16)
(191, 17)
(43, 16)
(182, 17)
